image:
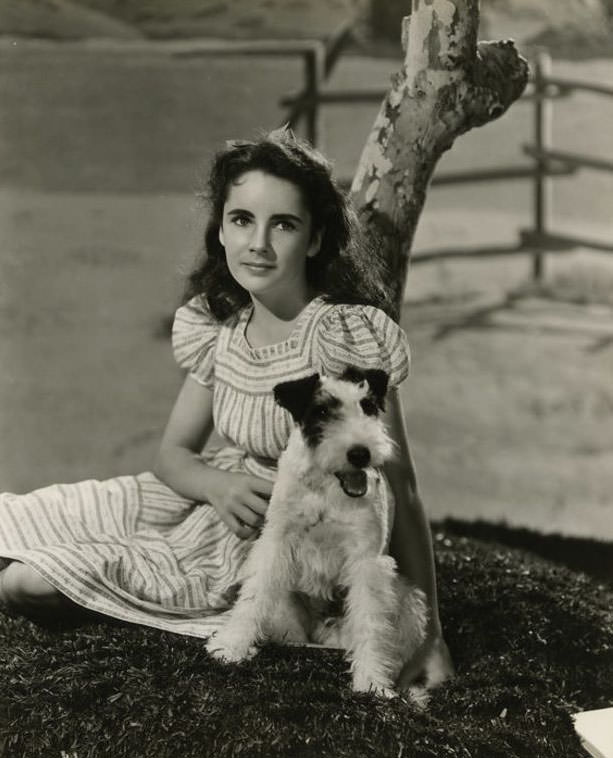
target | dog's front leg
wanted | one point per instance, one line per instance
(265, 582)
(369, 607)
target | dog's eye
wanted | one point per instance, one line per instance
(369, 406)
(322, 412)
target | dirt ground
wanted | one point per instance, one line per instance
(101, 157)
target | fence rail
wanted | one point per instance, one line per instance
(319, 58)
(546, 161)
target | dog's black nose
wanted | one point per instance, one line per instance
(359, 456)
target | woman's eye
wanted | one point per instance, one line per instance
(240, 220)
(285, 226)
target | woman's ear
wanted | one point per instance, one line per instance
(315, 244)
(221, 237)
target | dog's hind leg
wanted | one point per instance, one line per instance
(368, 626)
(289, 620)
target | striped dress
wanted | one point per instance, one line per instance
(134, 549)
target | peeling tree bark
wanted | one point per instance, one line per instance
(447, 85)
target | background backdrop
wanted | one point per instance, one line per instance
(104, 140)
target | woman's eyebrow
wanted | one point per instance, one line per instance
(287, 217)
(274, 217)
(239, 210)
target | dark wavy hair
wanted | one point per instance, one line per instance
(336, 273)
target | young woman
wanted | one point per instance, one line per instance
(274, 299)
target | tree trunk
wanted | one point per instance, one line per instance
(447, 85)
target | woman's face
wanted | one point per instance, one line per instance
(266, 233)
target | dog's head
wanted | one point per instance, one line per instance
(341, 422)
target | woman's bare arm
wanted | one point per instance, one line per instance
(411, 547)
(190, 424)
(240, 499)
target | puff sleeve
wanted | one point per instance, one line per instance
(363, 336)
(194, 337)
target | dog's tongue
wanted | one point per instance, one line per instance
(354, 483)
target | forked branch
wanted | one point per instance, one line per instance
(447, 85)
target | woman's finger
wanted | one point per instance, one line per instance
(257, 504)
(236, 525)
(240, 528)
(261, 486)
(247, 516)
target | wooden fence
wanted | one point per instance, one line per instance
(546, 161)
(319, 56)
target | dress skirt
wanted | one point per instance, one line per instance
(133, 549)
(130, 548)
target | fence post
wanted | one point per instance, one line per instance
(314, 71)
(543, 183)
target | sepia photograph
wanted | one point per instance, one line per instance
(306, 378)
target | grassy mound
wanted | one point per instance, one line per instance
(533, 643)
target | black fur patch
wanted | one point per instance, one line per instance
(323, 410)
(377, 380)
(296, 396)
(369, 406)
(353, 374)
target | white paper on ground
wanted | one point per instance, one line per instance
(595, 729)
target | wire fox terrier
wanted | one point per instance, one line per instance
(325, 533)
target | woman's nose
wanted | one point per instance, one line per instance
(260, 241)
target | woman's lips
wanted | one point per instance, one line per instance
(258, 267)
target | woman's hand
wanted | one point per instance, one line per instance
(240, 500)
(432, 662)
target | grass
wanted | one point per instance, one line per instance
(532, 641)
(593, 557)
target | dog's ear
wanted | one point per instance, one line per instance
(295, 396)
(353, 374)
(377, 381)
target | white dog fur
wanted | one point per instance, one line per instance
(326, 527)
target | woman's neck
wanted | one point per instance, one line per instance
(270, 325)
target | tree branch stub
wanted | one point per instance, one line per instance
(447, 85)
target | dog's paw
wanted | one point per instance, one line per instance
(379, 690)
(385, 692)
(418, 696)
(228, 651)
(364, 681)
(329, 631)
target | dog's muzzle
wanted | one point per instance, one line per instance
(354, 482)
